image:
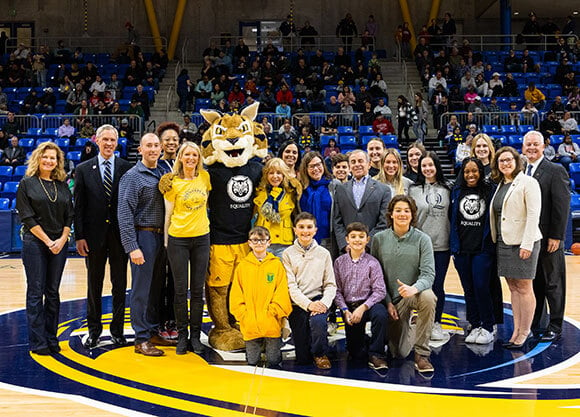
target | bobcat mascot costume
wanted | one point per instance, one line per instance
(227, 147)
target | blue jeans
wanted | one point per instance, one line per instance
(355, 334)
(441, 265)
(475, 274)
(273, 347)
(188, 254)
(309, 334)
(142, 275)
(43, 275)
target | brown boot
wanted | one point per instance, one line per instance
(422, 364)
(147, 349)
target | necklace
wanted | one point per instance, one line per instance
(52, 200)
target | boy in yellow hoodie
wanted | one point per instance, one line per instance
(260, 301)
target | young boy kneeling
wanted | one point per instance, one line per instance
(360, 294)
(312, 290)
(259, 299)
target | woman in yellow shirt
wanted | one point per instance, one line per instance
(187, 239)
(275, 203)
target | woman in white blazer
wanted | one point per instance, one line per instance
(514, 219)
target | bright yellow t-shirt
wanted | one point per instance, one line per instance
(189, 217)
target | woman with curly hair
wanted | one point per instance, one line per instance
(44, 205)
(186, 192)
(276, 201)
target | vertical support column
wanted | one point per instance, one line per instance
(176, 28)
(407, 18)
(505, 13)
(152, 17)
(435, 5)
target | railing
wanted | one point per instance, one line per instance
(404, 72)
(24, 123)
(92, 44)
(499, 42)
(169, 105)
(293, 43)
(516, 118)
(398, 52)
(185, 51)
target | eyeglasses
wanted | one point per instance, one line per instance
(505, 161)
(259, 241)
(315, 166)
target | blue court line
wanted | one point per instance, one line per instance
(539, 348)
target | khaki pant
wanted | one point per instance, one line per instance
(402, 336)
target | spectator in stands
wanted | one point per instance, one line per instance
(569, 124)
(383, 108)
(188, 129)
(94, 99)
(142, 98)
(75, 98)
(382, 125)
(532, 31)
(557, 106)
(563, 50)
(477, 69)
(378, 87)
(482, 86)
(89, 73)
(346, 30)
(572, 106)
(569, 83)
(66, 130)
(307, 36)
(208, 69)
(528, 63)
(13, 155)
(436, 80)
(330, 125)
(11, 126)
(236, 95)
(549, 151)
(307, 140)
(287, 132)
(250, 88)
(300, 107)
(267, 101)
(477, 106)
(115, 87)
(550, 125)
(82, 112)
(39, 66)
(126, 131)
(135, 109)
(422, 111)
(493, 109)
(30, 103)
(331, 149)
(284, 94)
(212, 51)
(467, 81)
(496, 85)
(360, 74)
(203, 88)
(98, 85)
(512, 63)
(510, 88)
(87, 130)
(534, 95)
(151, 76)
(470, 96)
(3, 96)
(184, 87)
(441, 108)
(133, 75)
(283, 110)
(216, 95)
(568, 152)
(4, 140)
(367, 116)
(333, 106)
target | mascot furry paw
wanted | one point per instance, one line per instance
(228, 146)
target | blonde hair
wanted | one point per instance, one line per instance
(397, 181)
(487, 140)
(58, 173)
(178, 166)
(275, 164)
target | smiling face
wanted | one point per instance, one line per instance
(190, 159)
(533, 146)
(315, 169)
(402, 216)
(150, 149)
(506, 164)
(359, 164)
(275, 177)
(471, 174)
(259, 245)
(429, 170)
(48, 162)
(391, 165)
(169, 142)
(340, 171)
(357, 240)
(375, 150)
(482, 151)
(305, 230)
(290, 155)
(107, 143)
(413, 157)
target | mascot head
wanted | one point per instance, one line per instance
(233, 139)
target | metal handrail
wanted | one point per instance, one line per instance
(176, 73)
(169, 102)
(398, 51)
(185, 51)
(92, 43)
(496, 41)
(495, 118)
(404, 72)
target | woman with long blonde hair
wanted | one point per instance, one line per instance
(44, 205)
(391, 173)
(483, 149)
(186, 191)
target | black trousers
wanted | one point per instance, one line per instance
(550, 289)
(96, 260)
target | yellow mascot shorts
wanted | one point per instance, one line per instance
(223, 259)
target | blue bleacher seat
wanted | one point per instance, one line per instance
(13, 204)
(63, 143)
(575, 205)
(344, 130)
(390, 141)
(19, 172)
(74, 156)
(501, 138)
(515, 141)
(575, 173)
(488, 129)
(325, 139)
(347, 142)
(123, 144)
(556, 140)
(34, 132)
(27, 144)
(576, 139)
(6, 173)
(202, 103)
(9, 190)
(366, 139)
(42, 140)
(509, 129)
(363, 130)
(4, 204)
(80, 143)
(51, 131)
(523, 129)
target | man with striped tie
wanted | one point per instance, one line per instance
(97, 233)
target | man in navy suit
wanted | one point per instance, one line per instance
(550, 280)
(97, 233)
(361, 199)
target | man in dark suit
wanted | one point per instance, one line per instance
(97, 233)
(13, 155)
(361, 199)
(550, 280)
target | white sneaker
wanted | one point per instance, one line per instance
(437, 332)
(484, 337)
(494, 332)
(472, 336)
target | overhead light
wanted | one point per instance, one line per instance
(516, 13)
(575, 12)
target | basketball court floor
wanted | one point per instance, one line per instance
(543, 379)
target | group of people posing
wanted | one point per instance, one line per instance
(374, 244)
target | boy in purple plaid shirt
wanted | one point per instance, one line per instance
(360, 294)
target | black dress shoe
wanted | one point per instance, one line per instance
(550, 336)
(91, 342)
(521, 345)
(507, 345)
(54, 349)
(42, 352)
(119, 340)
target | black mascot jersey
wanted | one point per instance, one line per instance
(231, 201)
